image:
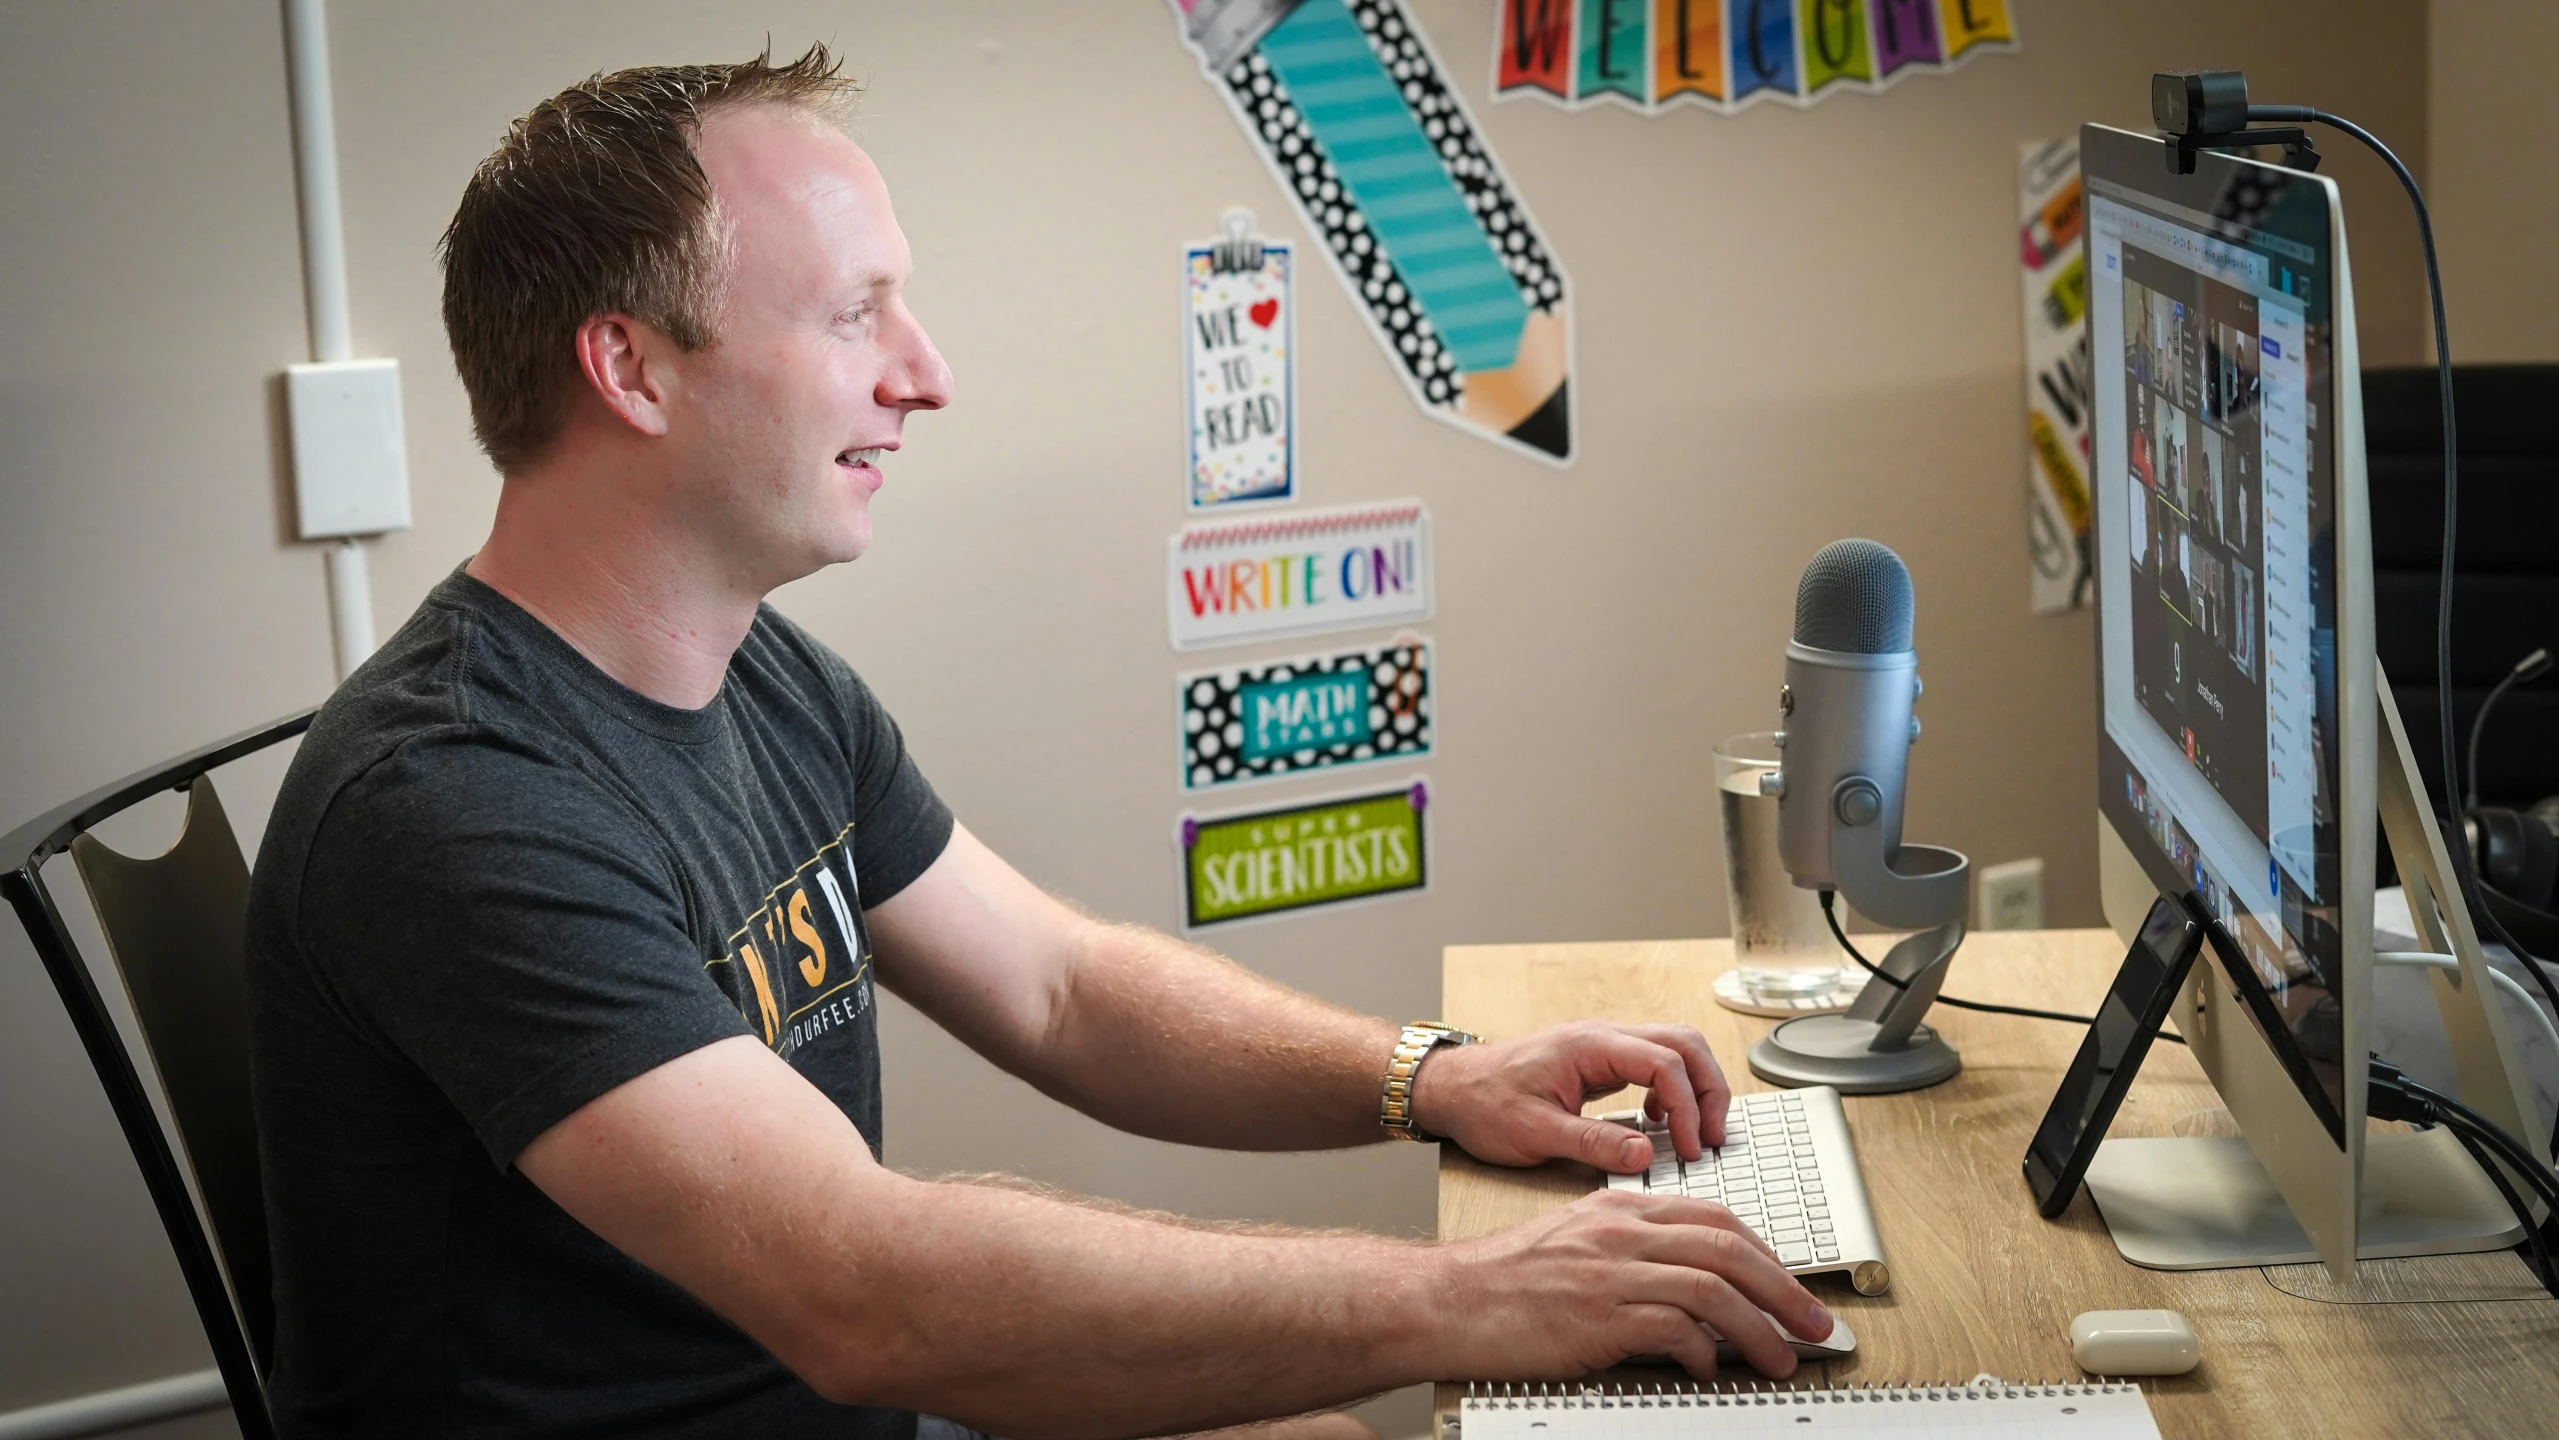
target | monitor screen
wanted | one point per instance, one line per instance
(2214, 490)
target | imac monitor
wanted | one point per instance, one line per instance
(2235, 676)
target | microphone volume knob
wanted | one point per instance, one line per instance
(1858, 803)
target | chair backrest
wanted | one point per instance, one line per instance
(176, 928)
(176, 925)
(2506, 589)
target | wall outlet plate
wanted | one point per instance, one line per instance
(2010, 896)
(350, 448)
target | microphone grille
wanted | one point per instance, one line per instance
(1854, 598)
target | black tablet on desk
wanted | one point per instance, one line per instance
(2103, 1070)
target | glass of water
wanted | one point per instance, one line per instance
(1782, 949)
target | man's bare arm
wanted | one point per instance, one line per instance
(1127, 1024)
(1025, 1315)
(1168, 1040)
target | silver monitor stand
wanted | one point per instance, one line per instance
(2198, 1203)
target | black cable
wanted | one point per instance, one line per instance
(2530, 668)
(2540, 1262)
(2525, 1163)
(1830, 912)
(2456, 838)
(2396, 1097)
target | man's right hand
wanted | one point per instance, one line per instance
(1619, 1274)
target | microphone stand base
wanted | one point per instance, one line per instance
(1837, 1051)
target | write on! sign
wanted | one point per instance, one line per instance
(1234, 581)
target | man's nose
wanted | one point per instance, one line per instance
(916, 379)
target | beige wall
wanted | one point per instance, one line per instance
(1793, 326)
(2491, 113)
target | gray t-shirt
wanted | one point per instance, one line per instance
(497, 884)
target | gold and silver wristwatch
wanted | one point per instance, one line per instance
(1395, 1106)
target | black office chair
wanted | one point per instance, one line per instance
(2505, 591)
(176, 930)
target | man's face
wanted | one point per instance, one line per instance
(780, 422)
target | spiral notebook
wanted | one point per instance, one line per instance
(1986, 1409)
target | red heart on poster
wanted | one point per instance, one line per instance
(1264, 313)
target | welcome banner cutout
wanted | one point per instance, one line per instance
(1725, 55)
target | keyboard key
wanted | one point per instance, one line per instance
(1625, 1182)
(1795, 1254)
(1825, 1256)
(1818, 1212)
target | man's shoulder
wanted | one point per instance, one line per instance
(424, 733)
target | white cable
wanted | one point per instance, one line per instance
(315, 152)
(324, 280)
(351, 605)
(2496, 977)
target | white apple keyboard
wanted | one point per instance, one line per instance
(1788, 1170)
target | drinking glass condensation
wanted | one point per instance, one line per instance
(1781, 945)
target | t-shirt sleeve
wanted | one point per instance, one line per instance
(510, 927)
(900, 826)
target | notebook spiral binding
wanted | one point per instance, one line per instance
(1685, 1395)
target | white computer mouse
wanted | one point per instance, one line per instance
(1841, 1342)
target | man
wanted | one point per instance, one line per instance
(566, 926)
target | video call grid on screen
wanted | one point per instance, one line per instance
(2219, 618)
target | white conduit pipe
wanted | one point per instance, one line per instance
(324, 279)
(117, 1409)
(315, 154)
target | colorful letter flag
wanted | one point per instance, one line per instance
(1971, 23)
(1535, 50)
(1612, 58)
(1352, 112)
(1835, 43)
(1270, 862)
(1906, 33)
(1688, 50)
(1305, 573)
(1725, 55)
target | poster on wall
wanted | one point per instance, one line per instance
(1653, 56)
(2055, 276)
(1255, 864)
(1307, 712)
(1265, 578)
(1239, 367)
(1356, 118)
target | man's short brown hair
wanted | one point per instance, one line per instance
(595, 203)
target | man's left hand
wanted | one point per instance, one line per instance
(1519, 1102)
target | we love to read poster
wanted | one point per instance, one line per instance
(1240, 373)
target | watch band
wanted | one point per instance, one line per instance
(1414, 1045)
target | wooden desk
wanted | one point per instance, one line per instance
(2432, 1347)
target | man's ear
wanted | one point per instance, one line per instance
(626, 362)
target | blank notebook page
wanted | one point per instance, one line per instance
(1988, 1411)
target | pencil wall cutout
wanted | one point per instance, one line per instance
(1355, 115)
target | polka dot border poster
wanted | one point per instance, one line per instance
(1306, 713)
(1356, 118)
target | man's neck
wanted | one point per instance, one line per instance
(647, 608)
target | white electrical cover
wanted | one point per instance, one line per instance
(350, 450)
